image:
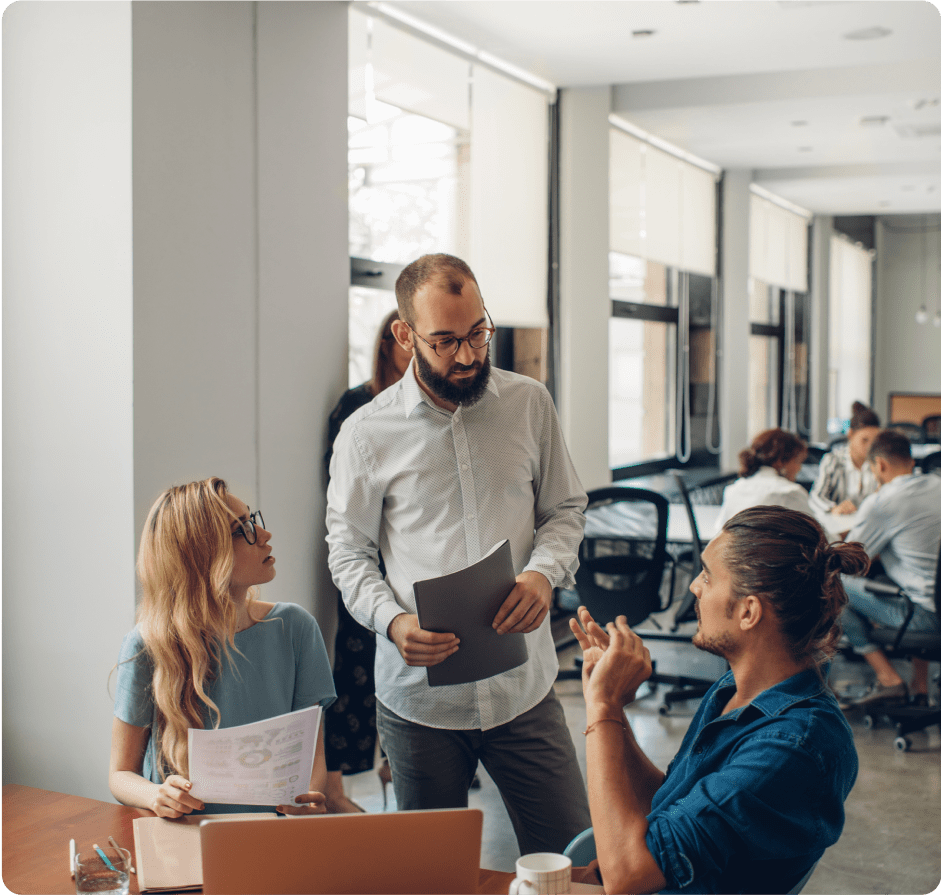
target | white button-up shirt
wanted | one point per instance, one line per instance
(434, 491)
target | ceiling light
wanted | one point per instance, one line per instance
(920, 104)
(805, 148)
(873, 33)
(798, 124)
(873, 120)
(643, 32)
(921, 315)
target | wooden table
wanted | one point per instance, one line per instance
(38, 824)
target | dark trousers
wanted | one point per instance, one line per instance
(531, 759)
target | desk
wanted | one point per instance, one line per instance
(625, 520)
(37, 826)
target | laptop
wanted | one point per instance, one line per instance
(435, 851)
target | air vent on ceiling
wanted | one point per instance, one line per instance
(873, 120)
(917, 131)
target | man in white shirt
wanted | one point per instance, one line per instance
(433, 473)
(901, 524)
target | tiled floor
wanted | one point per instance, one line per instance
(890, 843)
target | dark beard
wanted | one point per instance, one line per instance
(464, 393)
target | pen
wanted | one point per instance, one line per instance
(115, 845)
(72, 857)
(104, 857)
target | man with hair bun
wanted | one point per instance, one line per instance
(755, 794)
(901, 525)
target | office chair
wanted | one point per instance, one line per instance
(901, 643)
(931, 463)
(912, 431)
(932, 428)
(582, 850)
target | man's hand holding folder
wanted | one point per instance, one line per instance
(526, 606)
(419, 647)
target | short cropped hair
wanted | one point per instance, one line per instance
(892, 446)
(452, 272)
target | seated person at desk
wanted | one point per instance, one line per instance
(845, 477)
(205, 652)
(755, 794)
(768, 468)
(901, 525)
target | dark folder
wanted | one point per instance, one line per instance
(465, 603)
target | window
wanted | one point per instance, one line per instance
(405, 173)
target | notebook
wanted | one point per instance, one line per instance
(168, 851)
(435, 851)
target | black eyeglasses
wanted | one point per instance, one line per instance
(450, 345)
(248, 528)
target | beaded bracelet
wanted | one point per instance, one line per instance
(593, 724)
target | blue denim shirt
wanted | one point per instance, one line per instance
(753, 798)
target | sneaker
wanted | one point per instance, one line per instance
(897, 694)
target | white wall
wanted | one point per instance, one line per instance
(68, 504)
(238, 172)
(907, 354)
(585, 305)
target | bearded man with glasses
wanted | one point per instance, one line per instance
(433, 473)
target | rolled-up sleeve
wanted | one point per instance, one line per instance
(765, 802)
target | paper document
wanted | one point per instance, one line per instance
(265, 763)
(465, 603)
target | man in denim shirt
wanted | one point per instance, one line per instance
(755, 794)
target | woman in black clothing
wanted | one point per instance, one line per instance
(350, 723)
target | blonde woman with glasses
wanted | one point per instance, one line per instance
(206, 653)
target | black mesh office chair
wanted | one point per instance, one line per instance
(912, 431)
(623, 558)
(902, 643)
(932, 428)
(932, 463)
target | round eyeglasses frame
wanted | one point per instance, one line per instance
(450, 345)
(250, 525)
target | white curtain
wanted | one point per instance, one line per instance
(661, 208)
(850, 326)
(777, 245)
(509, 207)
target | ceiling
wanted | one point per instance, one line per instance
(839, 126)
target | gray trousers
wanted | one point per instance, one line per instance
(531, 759)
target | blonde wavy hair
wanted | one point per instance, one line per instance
(186, 617)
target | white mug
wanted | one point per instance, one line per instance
(543, 873)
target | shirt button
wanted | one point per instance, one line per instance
(464, 466)
(470, 515)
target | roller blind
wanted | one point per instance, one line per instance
(777, 245)
(850, 316)
(661, 208)
(509, 208)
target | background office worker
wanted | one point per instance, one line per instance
(755, 794)
(901, 525)
(768, 468)
(434, 472)
(350, 723)
(205, 652)
(845, 478)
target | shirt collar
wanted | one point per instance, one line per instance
(413, 394)
(777, 699)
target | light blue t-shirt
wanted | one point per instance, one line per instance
(283, 668)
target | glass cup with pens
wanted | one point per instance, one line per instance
(102, 870)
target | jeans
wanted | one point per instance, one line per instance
(531, 759)
(865, 608)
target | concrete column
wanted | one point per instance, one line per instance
(820, 327)
(733, 363)
(585, 307)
